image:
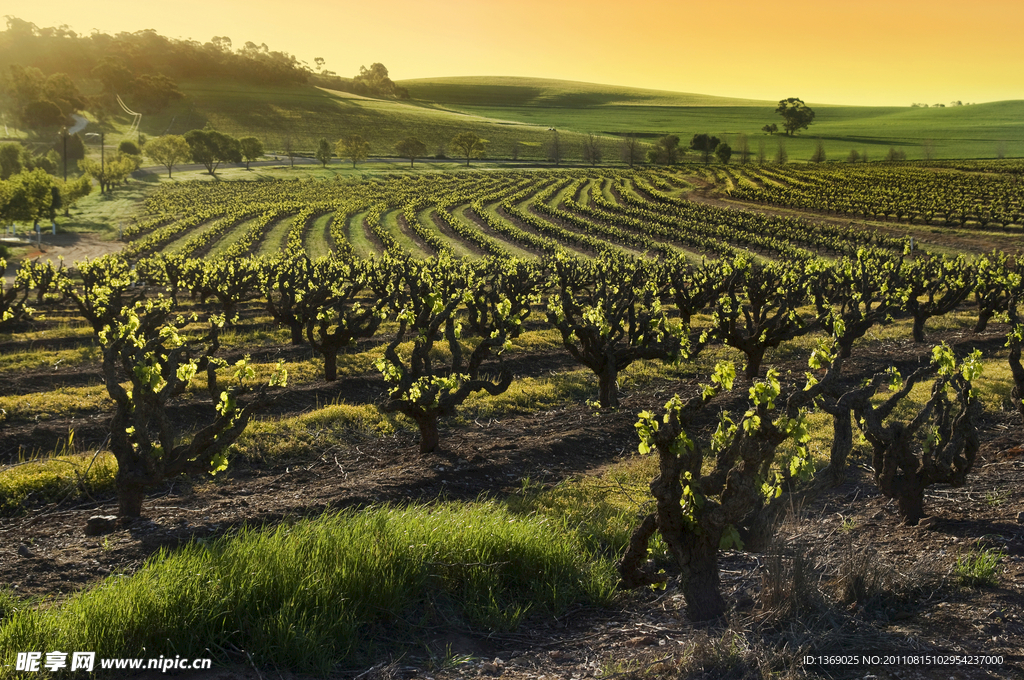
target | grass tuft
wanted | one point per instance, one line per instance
(325, 592)
(978, 568)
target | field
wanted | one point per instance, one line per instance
(495, 551)
(977, 131)
(515, 115)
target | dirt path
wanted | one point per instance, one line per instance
(72, 247)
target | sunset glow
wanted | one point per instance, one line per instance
(870, 52)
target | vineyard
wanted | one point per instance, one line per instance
(477, 370)
(978, 195)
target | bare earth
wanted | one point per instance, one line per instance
(917, 605)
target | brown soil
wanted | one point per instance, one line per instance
(72, 247)
(918, 605)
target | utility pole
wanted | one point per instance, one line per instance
(64, 136)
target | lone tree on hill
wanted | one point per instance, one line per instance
(469, 144)
(795, 115)
(412, 149)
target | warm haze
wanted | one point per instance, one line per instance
(874, 52)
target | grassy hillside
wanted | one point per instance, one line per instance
(308, 113)
(978, 131)
(543, 92)
(517, 113)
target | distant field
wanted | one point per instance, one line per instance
(307, 113)
(515, 116)
(978, 131)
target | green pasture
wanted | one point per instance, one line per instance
(515, 116)
(976, 131)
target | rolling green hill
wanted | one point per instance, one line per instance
(543, 92)
(976, 131)
(515, 116)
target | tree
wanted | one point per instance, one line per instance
(148, 348)
(73, 190)
(795, 115)
(819, 153)
(723, 153)
(75, 148)
(252, 149)
(31, 196)
(289, 148)
(426, 387)
(937, 445)
(609, 314)
(665, 151)
(411, 148)
(469, 144)
(110, 172)
(705, 144)
(375, 81)
(709, 487)
(759, 309)
(744, 149)
(344, 300)
(211, 148)
(895, 155)
(555, 149)
(153, 92)
(781, 157)
(770, 129)
(631, 150)
(324, 152)
(12, 159)
(591, 149)
(129, 147)
(354, 148)
(168, 151)
(41, 115)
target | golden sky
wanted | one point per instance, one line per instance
(880, 52)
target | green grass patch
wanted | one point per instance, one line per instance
(978, 568)
(55, 478)
(328, 592)
(316, 240)
(461, 248)
(57, 403)
(389, 220)
(311, 434)
(602, 508)
(40, 359)
(356, 233)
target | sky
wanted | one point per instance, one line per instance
(862, 52)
